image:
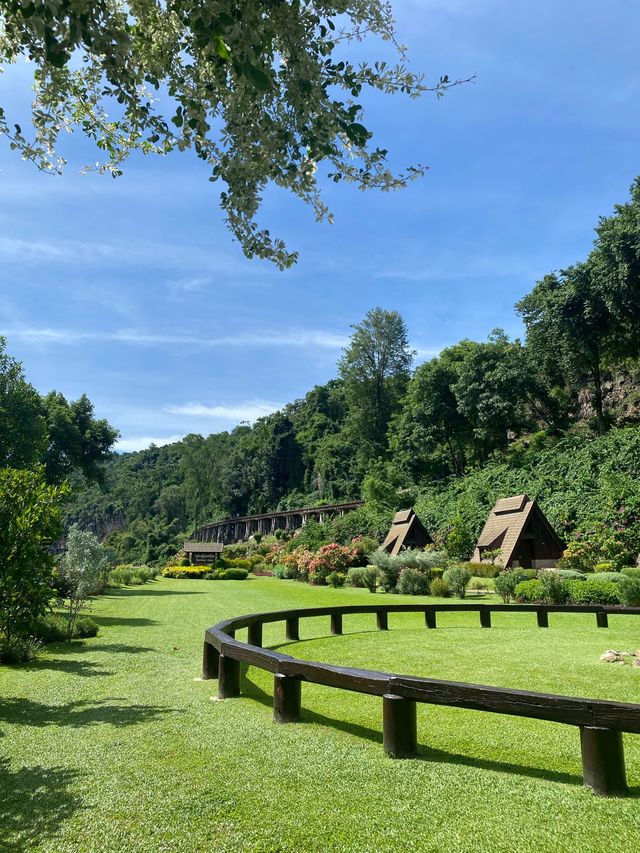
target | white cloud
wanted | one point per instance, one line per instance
(249, 410)
(133, 443)
(304, 338)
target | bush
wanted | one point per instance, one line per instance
(527, 592)
(413, 582)
(365, 577)
(568, 574)
(457, 577)
(483, 570)
(607, 566)
(127, 575)
(285, 572)
(529, 574)
(120, 576)
(54, 628)
(507, 581)
(184, 561)
(233, 574)
(388, 569)
(631, 572)
(629, 590)
(439, 588)
(424, 561)
(554, 587)
(479, 585)
(336, 579)
(18, 649)
(593, 592)
(182, 572)
(613, 577)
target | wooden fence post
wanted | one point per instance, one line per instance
(228, 677)
(286, 698)
(336, 623)
(382, 620)
(603, 761)
(254, 637)
(399, 726)
(543, 618)
(602, 619)
(210, 657)
(430, 618)
(485, 616)
(293, 628)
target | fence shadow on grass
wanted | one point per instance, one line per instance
(142, 590)
(80, 647)
(86, 669)
(425, 753)
(80, 713)
(132, 622)
(34, 802)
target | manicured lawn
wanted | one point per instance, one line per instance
(111, 745)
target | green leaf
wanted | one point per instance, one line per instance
(220, 47)
(256, 77)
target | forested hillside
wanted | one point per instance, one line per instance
(555, 415)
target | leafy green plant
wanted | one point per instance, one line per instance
(336, 579)
(629, 591)
(482, 570)
(30, 519)
(365, 577)
(527, 592)
(413, 582)
(631, 572)
(439, 588)
(506, 583)
(593, 592)
(56, 628)
(457, 577)
(554, 587)
(234, 574)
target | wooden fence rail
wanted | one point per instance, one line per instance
(601, 722)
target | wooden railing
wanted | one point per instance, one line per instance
(601, 722)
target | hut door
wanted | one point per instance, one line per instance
(525, 553)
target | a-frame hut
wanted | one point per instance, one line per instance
(406, 531)
(517, 526)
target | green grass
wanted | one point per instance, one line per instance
(111, 745)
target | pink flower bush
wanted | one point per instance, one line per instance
(330, 558)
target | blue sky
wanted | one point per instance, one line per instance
(132, 291)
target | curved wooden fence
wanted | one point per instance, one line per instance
(601, 722)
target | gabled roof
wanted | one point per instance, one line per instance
(507, 523)
(406, 530)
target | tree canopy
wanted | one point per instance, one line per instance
(262, 91)
(63, 436)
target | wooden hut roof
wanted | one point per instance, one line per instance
(506, 524)
(406, 530)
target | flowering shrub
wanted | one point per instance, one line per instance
(273, 555)
(330, 558)
(185, 571)
(596, 543)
